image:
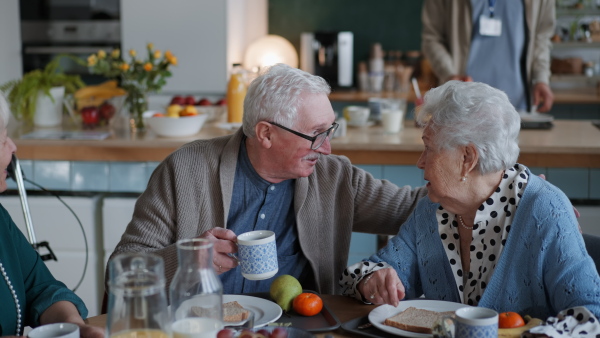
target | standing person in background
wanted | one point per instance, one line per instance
(503, 43)
(29, 294)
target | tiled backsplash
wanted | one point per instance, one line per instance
(87, 176)
(577, 183)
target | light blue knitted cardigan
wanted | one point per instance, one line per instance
(544, 267)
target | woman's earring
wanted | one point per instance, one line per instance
(464, 178)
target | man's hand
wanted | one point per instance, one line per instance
(224, 246)
(542, 97)
(382, 287)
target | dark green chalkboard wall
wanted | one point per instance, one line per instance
(396, 24)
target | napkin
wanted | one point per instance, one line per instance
(572, 322)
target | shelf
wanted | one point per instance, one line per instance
(588, 11)
(575, 44)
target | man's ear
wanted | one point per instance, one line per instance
(264, 134)
(470, 158)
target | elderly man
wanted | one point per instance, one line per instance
(271, 174)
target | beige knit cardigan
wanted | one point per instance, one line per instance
(190, 193)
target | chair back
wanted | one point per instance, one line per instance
(592, 244)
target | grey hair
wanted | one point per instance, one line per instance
(461, 113)
(4, 112)
(276, 95)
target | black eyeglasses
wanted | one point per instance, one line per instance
(317, 140)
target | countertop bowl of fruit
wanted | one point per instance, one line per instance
(212, 110)
(179, 121)
(97, 105)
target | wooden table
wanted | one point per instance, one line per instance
(345, 308)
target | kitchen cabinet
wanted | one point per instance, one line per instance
(10, 40)
(207, 36)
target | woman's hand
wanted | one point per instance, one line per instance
(88, 331)
(224, 246)
(382, 287)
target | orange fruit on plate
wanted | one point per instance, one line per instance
(509, 320)
(308, 304)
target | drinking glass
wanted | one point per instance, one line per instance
(137, 302)
(196, 292)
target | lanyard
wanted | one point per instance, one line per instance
(492, 3)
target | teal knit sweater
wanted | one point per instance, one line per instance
(33, 283)
(543, 269)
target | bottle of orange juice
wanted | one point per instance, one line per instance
(236, 92)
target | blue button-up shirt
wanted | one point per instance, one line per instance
(259, 205)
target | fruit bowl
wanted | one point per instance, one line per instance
(92, 112)
(174, 127)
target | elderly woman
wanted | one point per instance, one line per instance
(489, 233)
(29, 294)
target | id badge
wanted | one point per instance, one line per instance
(489, 26)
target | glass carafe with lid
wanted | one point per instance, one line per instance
(196, 293)
(137, 301)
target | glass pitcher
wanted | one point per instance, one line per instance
(137, 302)
(196, 293)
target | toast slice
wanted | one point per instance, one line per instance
(416, 320)
(234, 312)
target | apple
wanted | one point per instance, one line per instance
(107, 111)
(221, 102)
(189, 101)
(178, 100)
(90, 116)
(204, 102)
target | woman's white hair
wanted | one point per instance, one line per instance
(4, 112)
(460, 113)
(276, 95)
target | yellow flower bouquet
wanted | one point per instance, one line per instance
(138, 76)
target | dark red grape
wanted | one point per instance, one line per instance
(279, 332)
(225, 333)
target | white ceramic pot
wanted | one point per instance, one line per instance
(49, 113)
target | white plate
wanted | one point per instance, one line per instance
(265, 311)
(535, 117)
(378, 315)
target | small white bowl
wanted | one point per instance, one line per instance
(176, 127)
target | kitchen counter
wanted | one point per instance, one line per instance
(571, 143)
(585, 95)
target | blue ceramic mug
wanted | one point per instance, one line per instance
(257, 254)
(475, 322)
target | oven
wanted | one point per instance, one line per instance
(76, 27)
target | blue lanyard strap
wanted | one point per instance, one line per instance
(492, 4)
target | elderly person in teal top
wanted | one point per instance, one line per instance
(29, 294)
(489, 233)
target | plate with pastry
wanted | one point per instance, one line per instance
(235, 307)
(412, 318)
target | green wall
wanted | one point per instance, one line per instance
(396, 24)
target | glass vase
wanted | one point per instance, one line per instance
(196, 293)
(137, 101)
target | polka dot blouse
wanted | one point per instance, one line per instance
(492, 225)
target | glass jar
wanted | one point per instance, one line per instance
(196, 293)
(137, 301)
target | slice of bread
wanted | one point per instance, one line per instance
(234, 312)
(416, 320)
